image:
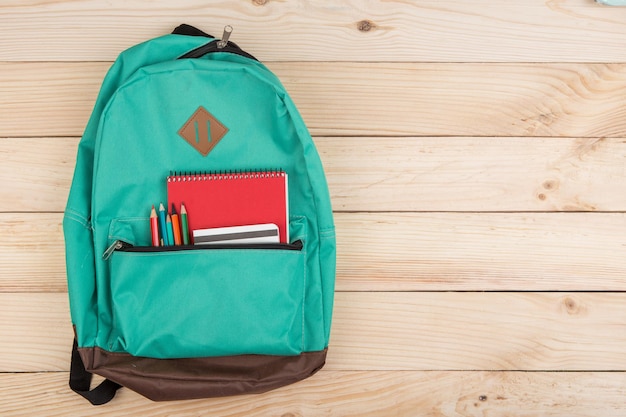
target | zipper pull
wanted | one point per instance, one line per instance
(228, 29)
(118, 244)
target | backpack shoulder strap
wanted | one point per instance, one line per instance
(189, 30)
(80, 382)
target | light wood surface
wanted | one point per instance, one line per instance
(476, 157)
(367, 99)
(363, 393)
(354, 30)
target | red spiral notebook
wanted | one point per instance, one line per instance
(232, 199)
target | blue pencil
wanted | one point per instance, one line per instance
(170, 230)
(163, 225)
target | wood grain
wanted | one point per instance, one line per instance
(336, 393)
(391, 174)
(36, 332)
(478, 331)
(481, 251)
(399, 252)
(51, 98)
(397, 331)
(36, 173)
(356, 30)
(32, 257)
(475, 174)
(366, 99)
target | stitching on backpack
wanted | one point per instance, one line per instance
(78, 217)
(304, 298)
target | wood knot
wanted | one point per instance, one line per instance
(260, 2)
(551, 184)
(365, 25)
(572, 307)
(542, 196)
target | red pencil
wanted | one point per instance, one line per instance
(154, 227)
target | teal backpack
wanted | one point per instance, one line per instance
(193, 321)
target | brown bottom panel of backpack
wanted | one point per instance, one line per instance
(188, 378)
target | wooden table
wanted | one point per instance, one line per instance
(476, 157)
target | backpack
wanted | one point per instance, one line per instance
(182, 322)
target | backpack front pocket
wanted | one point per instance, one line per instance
(207, 302)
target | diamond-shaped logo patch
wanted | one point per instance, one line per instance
(203, 131)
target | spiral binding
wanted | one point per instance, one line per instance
(178, 176)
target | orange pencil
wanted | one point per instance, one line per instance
(175, 226)
(154, 227)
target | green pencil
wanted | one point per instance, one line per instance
(184, 225)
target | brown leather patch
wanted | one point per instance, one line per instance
(188, 378)
(203, 131)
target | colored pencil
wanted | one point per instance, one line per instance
(170, 231)
(163, 225)
(175, 226)
(184, 225)
(154, 227)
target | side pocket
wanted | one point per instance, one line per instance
(328, 263)
(81, 280)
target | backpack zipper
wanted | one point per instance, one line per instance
(218, 45)
(212, 46)
(121, 246)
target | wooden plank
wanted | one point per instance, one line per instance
(366, 99)
(486, 331)
(36, 332)
(475, 174)
(391, 174)
(459, 99)
(465, 30)
(455, 394)
(36, 173)
(393, 331)
(481, 251)
(32, 256)
(399, 252)
(48, 98)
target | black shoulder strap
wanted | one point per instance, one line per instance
(189, 30)
(80, 382)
